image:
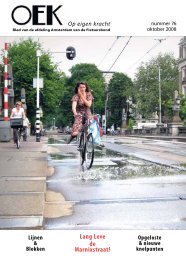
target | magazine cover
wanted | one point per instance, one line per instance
(92, 129)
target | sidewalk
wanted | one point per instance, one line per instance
(23, 184)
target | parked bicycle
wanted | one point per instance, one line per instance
(86, 145)
(17, 125)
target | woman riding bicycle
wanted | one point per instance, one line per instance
(17, 112)
(81, 103)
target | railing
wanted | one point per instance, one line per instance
(182, 131)
(166, 131)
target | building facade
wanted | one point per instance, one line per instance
(182, 66)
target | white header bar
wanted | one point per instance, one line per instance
(92, 18)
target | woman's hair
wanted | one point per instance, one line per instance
(20, 103)
(81, 83)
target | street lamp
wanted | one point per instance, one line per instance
(159, 90)
(38, 55)
(105, 117)
(159, 80)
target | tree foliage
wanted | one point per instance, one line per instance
(22, 56)
(58, 89)
(119, 90)
(183, 109)
(146, 85)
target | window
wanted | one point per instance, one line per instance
(181, 52)
(184, 52)
(184, 91)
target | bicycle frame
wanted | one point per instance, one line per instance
(82, 138)
(86, 146)
(17, 136)
(16, 124)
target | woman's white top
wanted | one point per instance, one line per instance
(17, 113)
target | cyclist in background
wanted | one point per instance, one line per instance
(17, 112)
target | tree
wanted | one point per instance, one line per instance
(119, 89)
(146, 85)
(22, 56)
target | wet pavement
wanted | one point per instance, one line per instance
(121, 191)
(170, 153)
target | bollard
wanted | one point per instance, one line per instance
(38, 125)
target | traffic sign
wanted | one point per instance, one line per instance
(35, 82)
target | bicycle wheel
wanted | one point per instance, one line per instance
(82, 148)
(89, 151)
(17, 139)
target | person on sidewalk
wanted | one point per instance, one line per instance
(26, 127)
(17, 112)
(81, 103)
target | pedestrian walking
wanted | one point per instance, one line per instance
(26, 127)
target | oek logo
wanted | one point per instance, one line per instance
(38, 14)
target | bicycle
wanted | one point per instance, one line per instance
(86, 145)
(17, 125)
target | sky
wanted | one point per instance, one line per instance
(104, 51)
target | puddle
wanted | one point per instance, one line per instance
(106, 152)
(128, 171)
(122, 142)
(56, 206)
(62, 156)
(111, 165)
(126, 167)
(55, 141)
